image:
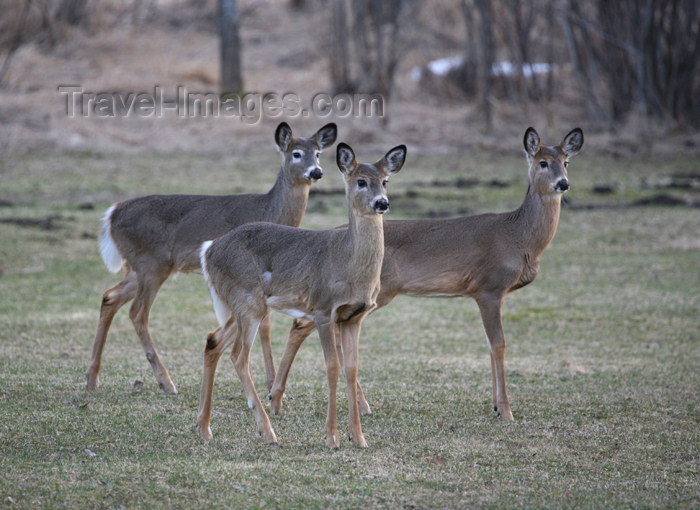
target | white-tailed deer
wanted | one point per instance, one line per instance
(485, 256)
(155, 236)
(330, 277)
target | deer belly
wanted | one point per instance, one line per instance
(288, 307)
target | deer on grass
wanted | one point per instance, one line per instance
(157, 235)
(330, 277)
(485, 257)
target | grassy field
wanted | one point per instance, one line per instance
(603, 361)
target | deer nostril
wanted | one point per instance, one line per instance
(381, 205)
(316, 174)
(563, 185)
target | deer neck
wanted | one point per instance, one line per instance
(365, 240)
(287, 200)
(537, 220)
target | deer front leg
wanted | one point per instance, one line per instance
(301, 329)
(112, 300)
(217, 341)
(349, 336)
(265, 332)
(362, 404)
(491, 316)
(247, 329)
(326, 333)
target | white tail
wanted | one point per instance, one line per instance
(330, 277)
(485, 257)
(222, 313)
(110, 254)
(157, 235)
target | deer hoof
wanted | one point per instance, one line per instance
(92, 384)
(204, 432)
(332, 442)
(168, 388)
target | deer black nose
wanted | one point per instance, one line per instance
(381, 206)
(563, 185)
(315, 174)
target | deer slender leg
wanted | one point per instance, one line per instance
(493, 382)
(326, 332)
(265, 332)
(362, 404)
(247, 329)
(112, 300)
(300, 330)
(217, 341)
(491, 316)
(139, 313)
(349, 336)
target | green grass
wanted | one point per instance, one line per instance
(603, 361)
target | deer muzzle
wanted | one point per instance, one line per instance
(562, 186)
(315, 174)
(381, 205)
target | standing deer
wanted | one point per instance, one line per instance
(330, 277)
(157, 235)
(485, 256)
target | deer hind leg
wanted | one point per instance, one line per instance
(362, 404)
(327, 334)
(349, 336)
(139, 313)
(300, 330)
(247, 329)
(217, 341)
(112, 300)
(491, 317)
(265, 332)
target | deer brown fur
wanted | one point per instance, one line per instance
(484, 257)
(329, 277)
(157, 235)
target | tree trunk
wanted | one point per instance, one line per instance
(230, 46)
(339, 52)
(485, 62)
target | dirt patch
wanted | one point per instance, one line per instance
(52, 222)
(677, 181)
(666, 200)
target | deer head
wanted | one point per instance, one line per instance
(300, 155)
(365, 184)
(548, 164)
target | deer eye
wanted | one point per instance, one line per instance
(543, 164)
(384, 183)
(566, 164)
(361, 183)
(296, 155)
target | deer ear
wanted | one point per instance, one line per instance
(345, 158)
(325, 137)
(394, 159)
(283, 135)
(572, 143)
(531, 141)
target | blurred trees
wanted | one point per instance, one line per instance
(366, 45)
(614, 57)
(636, 54)
(609, 59)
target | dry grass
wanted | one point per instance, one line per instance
(602, 361)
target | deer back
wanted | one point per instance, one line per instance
(168, 230)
